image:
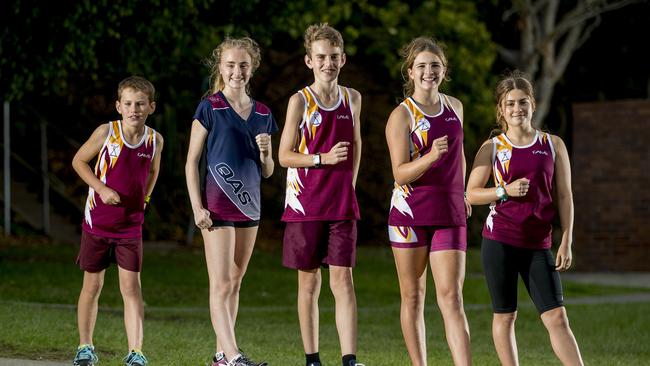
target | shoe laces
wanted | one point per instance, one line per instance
(135, 358)
(86, 353)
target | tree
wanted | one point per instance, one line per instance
(549, 34)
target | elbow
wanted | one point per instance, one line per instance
(284, 161)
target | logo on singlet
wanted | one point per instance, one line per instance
(143, 155)
(450, 119)
(504, 155)
(423, 124)
(316, 119)
(114, 150)
(237, 186)
(540, 152)
(342, 116)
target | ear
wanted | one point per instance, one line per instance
(118, 107)
(343, 59)
(153, 107)
(308, 62)
(410, 72)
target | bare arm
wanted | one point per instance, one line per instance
(263, 141)
(288, 156)
(197, 140)
(155, 166)
(355, 97)
(398, 137)
(477, 194)
(458, 107)
(564, 203)
(81, 164)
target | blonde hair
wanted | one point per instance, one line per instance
(322, 31)
(510, 81)
(410, 51)
(137, 83)
(245, 43)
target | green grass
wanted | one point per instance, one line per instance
(39, 286)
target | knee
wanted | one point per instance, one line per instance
(223, 288)
(309, 286)
(341, 283)
(555, 319)
(450, 300)
(130, 289)
(413, 299)
(504, 320)
(92, 289)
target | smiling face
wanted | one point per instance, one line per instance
(134, 106)
(427, 71)
(235, 68)
(517, 108)
(326, 60)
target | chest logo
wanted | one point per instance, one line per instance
(114, 150)
(504, 156)
(143, 155)
(423, 125)
(451, 119)
(342, 116)
(316, 119)
(540, 152)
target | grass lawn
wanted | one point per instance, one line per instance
(39, 286)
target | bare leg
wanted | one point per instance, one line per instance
(411, 266)
(88, 305)
(562, 339)
(342, 286)
(133, 307)
(219, 245)
(448, 268)
(309, 284)
(503, 334)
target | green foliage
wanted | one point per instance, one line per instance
(74, 55)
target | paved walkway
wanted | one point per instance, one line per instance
(15, 362)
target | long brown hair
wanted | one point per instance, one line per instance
(510, 81)
(411, 50)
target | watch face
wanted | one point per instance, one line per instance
(501, 192)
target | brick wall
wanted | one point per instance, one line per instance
(611, 185)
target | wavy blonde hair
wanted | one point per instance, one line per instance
(245, 43)
(317, 32)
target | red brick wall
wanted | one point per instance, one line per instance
(611, 185)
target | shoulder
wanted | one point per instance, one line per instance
(262, 109)
(556, 140)
(455, 102)
(355, 96)
(297, 100)
(159, 138)
(399, 115)
(215, 101)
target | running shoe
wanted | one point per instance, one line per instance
(135, 358)
(85, 356)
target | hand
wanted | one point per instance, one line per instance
(518, 188)
(337, 154)
(468, 208)
(439, 147)
(109, 196)
(202, 218)
(563, 258)
(263, 141)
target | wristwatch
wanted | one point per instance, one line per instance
(501, 193)
(316, 158)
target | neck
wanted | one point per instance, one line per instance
(236, 96)
(132, 133)
(326, 89)
(426, 98)
(519, 133)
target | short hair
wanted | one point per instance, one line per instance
(137, 83)
(322, 31)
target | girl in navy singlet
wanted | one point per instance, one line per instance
(529, 168)
(234, 130)
(426, 223)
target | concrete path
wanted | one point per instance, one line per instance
(15, 362)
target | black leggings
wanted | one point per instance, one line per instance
(503, 263)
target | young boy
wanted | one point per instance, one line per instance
(321, 146)
(128, 161)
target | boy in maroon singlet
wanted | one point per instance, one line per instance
(126, 170)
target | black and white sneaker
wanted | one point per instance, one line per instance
(241, 360)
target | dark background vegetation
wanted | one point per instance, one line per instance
(60, 62)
